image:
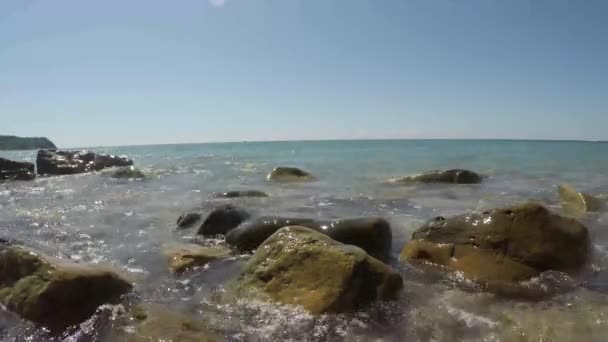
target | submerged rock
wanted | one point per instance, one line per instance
(12, 170)
(128, 172)
(372, 234)
(52, 292)
(188, 219)
(239, 194)
(289, 174)
(222, 220)
(184, 256)
(300, 266)
(53, 162)
(154, 322)
(508, 244)
(456, 176)
(578, 203)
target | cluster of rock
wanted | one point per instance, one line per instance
(54, 163)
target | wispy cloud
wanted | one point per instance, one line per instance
(218, 3)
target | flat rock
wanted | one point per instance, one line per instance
(54, 162)
(239, 194)
(300, 266)
(508, 244)
(289, 174)
(52, 292)
(13, 170)
(455, 176)
(185, 256)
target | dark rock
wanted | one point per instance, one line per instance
(188, 219)
(222, 220)
(289, 174)
(372, 234)
(455, 176)
(509, 244)
(52, 292)
(239, 194)
(53, 162)
(12, 170)
(300, 266)
(11, 142)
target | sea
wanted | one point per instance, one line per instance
(92, 218)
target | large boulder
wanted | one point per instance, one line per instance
(222, 220)
(12, 170)
(508, 244)
(239, 194)
(289, 174)
(578, 203)
(53, 162)
(300, 266)
(154, 322)
(372, 234)
(52, 292)
(456, 176)
(185, 256)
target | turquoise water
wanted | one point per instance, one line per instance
(93, 218)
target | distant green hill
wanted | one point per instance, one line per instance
(11, 142)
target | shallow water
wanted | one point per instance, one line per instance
(93, 218)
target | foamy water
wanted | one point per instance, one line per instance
(95, 219)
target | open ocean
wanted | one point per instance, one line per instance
(96, 219)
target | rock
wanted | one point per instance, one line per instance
(239, 194)
(53, 162)
(289, 174)
(371, 234)
(52, 292)
(508, 244)
(300, 266)
(12, 170)
(188, 219)
(455, 176)
(128, 172)
(578, 203)
(223, 219)
(184, 256)
(153, 322)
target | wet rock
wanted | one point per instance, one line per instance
(508, 244)
(222, 220)
(578, 203)
(300, 266)
(53, 162)
(239, 194)
(188, 219)
(184, 256)
(372, 234)
(153, 322)
(128, 172)
(12, 170)
(52, 292)
(289, 174)
(456, 176)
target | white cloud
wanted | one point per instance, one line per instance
(218, 3)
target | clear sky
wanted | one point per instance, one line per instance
(115, 72)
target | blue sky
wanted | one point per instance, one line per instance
(115, 72)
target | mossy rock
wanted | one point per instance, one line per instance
(455, 176)
(154, 322)
(289, 174)
(52, 292)
(127, 172)
(508, 244)
(578, 203)
(185, 256)
(300, 266)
